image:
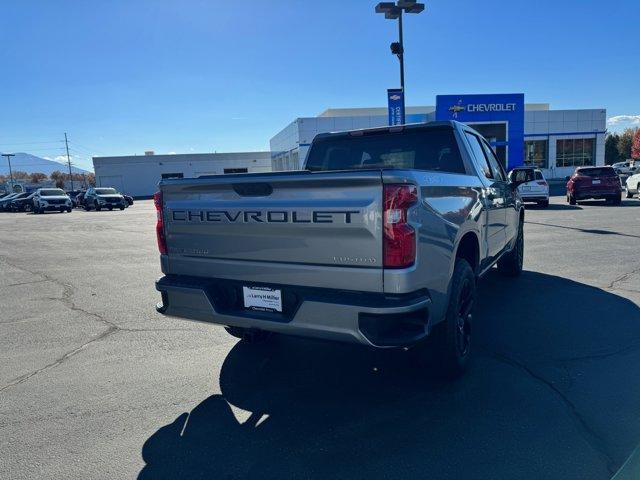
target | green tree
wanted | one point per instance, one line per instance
(625, 143)
(611, 153)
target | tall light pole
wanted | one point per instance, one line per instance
(9, 155)
(393, 11)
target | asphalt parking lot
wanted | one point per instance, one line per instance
(95, 384)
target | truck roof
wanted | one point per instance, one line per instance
(392, 128)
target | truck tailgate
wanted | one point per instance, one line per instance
(303, 228)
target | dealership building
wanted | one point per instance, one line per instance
(557, 141)
(138, 175)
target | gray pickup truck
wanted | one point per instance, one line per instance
(378, 241)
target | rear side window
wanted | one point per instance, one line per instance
(478, 153)
(421, 149)
(521, 175)
(539, 176)
(496, 168)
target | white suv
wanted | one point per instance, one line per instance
(51, 199)
(633, 185)
(535, 188)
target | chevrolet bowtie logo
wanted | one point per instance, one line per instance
(395, 97)
(456, 108)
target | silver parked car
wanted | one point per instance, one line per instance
(51, 199)
(98, 198)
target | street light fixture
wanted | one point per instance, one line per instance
(393, 11)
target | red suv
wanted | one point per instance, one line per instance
(594, 182)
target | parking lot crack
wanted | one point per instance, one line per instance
(602, 354)
(67, 293)
(66, 299)
(30, 282)
(622, 278)
(594, 440)
(59, 360)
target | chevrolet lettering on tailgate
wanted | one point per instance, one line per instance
(257, 216)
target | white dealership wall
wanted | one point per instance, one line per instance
(138, 175)
(289, 147)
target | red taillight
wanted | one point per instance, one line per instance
(399, 250)
(162, 241)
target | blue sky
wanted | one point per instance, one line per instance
(126, 76)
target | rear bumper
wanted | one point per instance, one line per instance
(356, 317)
(600, 193)
(538, 197)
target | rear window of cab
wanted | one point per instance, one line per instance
(434, 149)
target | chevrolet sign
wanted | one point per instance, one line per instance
(491, 107)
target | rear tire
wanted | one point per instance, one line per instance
(510, 264)
(249, 335)
(96, 206)
(617, 200)
(571, 199)
(448, 348)
(629, 194)
(543, 204)
(121, 208)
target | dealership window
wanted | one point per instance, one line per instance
(535, 153)
(575, 152)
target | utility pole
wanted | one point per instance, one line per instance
(68, 159)
(9, 155)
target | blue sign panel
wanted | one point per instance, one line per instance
(395, 100)
(498, 117)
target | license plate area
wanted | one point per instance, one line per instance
(262, 299)
(595, 182)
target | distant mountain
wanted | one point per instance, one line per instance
(26, 162)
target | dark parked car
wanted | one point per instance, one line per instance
(79, 200)
(594, 182)
(5, 202)
(22, 204)
(72, 195)
(103, 197)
